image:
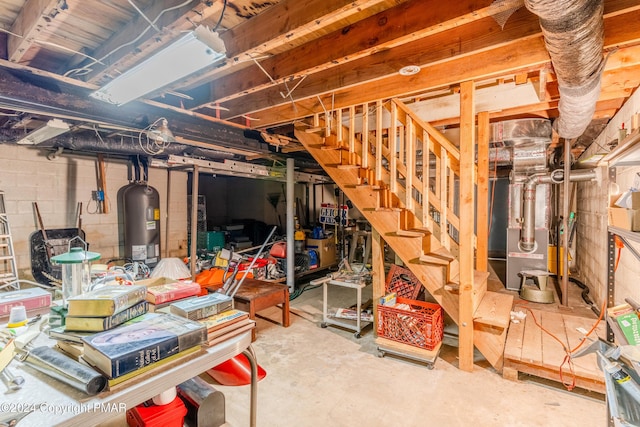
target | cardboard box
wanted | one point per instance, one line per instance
(326, 251)
(635, 200)
(627, 219)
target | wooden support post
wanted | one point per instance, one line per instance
(482, 206)
(377, 271)
(467, 221)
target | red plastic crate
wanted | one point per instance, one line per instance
(422, 326)
(403, 282)
(170, 415)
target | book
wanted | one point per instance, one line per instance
(152, 368)
(351, 314)
(31, 298)
(61, 334)
(231, 334)
(166, 305)
(204, 306)
(172, 291)
(630, 326)
(106, 301)
(141, 341)
(220, 320)
(97, 324)
(73, 350)
(229, 327)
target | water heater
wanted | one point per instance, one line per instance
(141, 217)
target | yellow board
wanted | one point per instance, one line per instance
(552, 250)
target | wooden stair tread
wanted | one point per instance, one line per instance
(348, 167)
(408, 233)
(494, 310)
(331, 147)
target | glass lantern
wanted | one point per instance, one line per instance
(76, 269)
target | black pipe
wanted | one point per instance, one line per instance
(584, 294)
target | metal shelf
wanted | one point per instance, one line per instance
(633, 236)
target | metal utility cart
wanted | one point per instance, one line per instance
(345, 277)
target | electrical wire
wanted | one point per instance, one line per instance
(568, 358)
(224, 7)
(297, 292)
(87, 68)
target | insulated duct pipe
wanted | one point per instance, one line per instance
(574, 36)
(527, 233)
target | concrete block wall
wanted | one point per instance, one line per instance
(592, 202)
(59, 184)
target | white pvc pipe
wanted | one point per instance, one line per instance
(290, 226)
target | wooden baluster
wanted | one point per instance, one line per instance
(393, 148)
(410, 163)
(378, 168)
(365, 136)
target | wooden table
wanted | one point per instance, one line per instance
(256, 295)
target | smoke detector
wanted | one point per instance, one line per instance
(409, 70)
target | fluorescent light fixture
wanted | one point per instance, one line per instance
(52, 129)
(194, 51)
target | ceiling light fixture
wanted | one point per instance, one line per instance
(194, 51)
(409, 70)
(50, 130)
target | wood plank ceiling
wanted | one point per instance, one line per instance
(286, 60)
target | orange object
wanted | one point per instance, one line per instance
(235, 371)
(279, 250)
(214, 278)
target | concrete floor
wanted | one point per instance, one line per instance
(327, 377)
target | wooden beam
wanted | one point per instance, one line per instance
(440, 46)
(447, 58)
(288, 20)
(467, 222)
(390, 28)
(482, 204)
(31, 21)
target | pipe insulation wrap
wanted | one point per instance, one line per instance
(574, 36)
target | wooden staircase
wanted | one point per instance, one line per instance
(412, 200)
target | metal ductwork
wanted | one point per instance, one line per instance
(574, 36)
(527, 234)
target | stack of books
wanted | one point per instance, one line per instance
(99, 310)
(105, 308)
(226, 324)
(144, 344)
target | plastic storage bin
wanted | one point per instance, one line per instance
(421, 326)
